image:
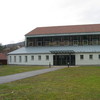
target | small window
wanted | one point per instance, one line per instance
(39, 57)
(47, 57)
(10, 59)
(20, 59)
(99, 56)
(25, 58)
(81, 57)
(90, 56)
(14, 58)
(32, 57)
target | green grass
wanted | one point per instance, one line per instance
(8, 70)
(81, 83)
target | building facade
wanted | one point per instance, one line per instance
(60, 45)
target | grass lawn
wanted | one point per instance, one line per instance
(8, 70)
(80, 83)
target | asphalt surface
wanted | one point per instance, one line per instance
(14, 77)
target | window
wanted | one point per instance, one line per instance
(99, 56)
(25, 58)
(30, 44)
(66, 42)
(95, 42)
(75, 42)
(20, 59)
(47, 57)
(81, 57)
(90, 56)
(14, 58)
(85, 42)
(32, 57)
(39, 57)
(10, 59)
(39, 43)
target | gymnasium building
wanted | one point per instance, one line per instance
(59, 45)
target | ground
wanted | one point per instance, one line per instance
(8, 70)
(80, 83)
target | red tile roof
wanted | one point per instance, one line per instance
(65, 29)
(3, 56)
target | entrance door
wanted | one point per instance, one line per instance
(64, 59)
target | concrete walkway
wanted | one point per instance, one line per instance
(14, 77)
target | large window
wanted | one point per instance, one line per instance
(64, 40)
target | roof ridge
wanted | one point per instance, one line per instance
(68, 25)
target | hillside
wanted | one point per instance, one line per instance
(11, 47)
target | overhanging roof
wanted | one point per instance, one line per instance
(62, 51)
(47, 50)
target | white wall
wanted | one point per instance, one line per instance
(86, 60)
(43, 60)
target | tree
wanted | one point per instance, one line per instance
(1, 48)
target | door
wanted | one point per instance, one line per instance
(64, 59)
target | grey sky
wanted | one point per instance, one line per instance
(17, 17)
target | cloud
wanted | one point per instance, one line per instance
(91, 13)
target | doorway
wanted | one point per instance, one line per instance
(63, 60)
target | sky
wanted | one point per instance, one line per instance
(18, 17)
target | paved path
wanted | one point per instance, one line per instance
(14, 77)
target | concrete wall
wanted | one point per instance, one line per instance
(36, 61)
(87, 60)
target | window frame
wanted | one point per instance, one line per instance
(81, 57)
(26, 59)
(39, 57)
(10, 58)
(32, 57)
(20, 59)
(14, 58)
(90, 57)
(47, 57)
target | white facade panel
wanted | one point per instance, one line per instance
(15, 59)
(86, 60)
(30, 61)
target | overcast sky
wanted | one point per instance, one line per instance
(18, 17)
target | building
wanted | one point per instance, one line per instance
(60, 45)
(3, 59)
